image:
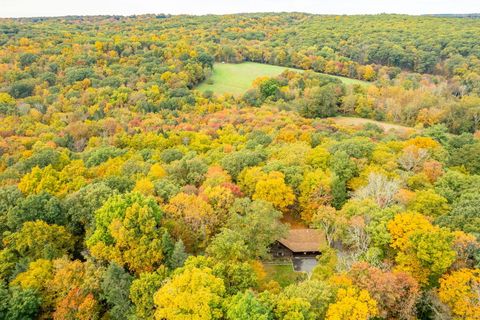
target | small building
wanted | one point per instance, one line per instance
(299, 242)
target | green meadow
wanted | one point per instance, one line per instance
(236, 78)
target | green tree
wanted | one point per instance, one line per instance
(258, 223)
(128, 231)
(142, 291)
(115, 285)
(465, 214)
(244, 306)
(178, 257)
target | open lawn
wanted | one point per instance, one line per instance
(237, 78)
(283, 274)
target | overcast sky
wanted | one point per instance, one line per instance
(35, 8)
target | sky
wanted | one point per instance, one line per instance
(36, 8)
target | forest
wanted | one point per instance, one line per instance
(128, 193)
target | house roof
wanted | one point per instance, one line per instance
(304, 240)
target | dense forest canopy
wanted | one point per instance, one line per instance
(126, 193)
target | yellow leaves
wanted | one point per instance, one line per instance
(369, 73)
(24, 42)
(194, 217)
(248, 179)
(5, 98)
(459, 290)
(422, 143)
(404, 225)
(352, 304)
(315, 190)
(128, 232)
(318, 158)
(144, 186)
(195, 294)
(272, 188)
(49, 180)
(99, 46)
(38, 180)
(423, 250)
(157, 171)
(36, 276)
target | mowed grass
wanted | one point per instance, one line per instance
(283, 274)
(236, 78)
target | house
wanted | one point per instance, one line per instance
(299, 242)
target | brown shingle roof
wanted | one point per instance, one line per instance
(304, 240)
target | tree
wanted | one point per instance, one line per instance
(274, 190)
(465, 214)
(319, 102)
(194, 293)
(395, 292)
(269, 88)
(22, 89)
(189, 170)
(42, 206)
(228, 245)
(258, 224)
(318, 293)
(330, 221)
(115, 285)
(142, 291)
(128, 231)
(380, 189)
(77, 305)
(39, 240)
(292, 308)
(459, 290)
(423, 250)
(315, 191)
(245, 306)
(429, 203)
(193, 218)
(178, 257)
(352, 303)
(18, 304)
(235, 162)
(80, 206)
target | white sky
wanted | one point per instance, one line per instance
(36, 8)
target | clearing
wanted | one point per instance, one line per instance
(352, 121)
(283, 273)
(236, 78)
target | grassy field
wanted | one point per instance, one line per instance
(238, 78)
(283, 274)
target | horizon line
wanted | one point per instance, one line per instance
(237, 13)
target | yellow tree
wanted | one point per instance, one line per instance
(352, 304)
(460, 291)
(194, 294)
(272, 188)
(423, 250)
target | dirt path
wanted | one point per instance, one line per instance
(351, 121)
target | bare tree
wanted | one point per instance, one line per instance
(380, 189)
(413, 158)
